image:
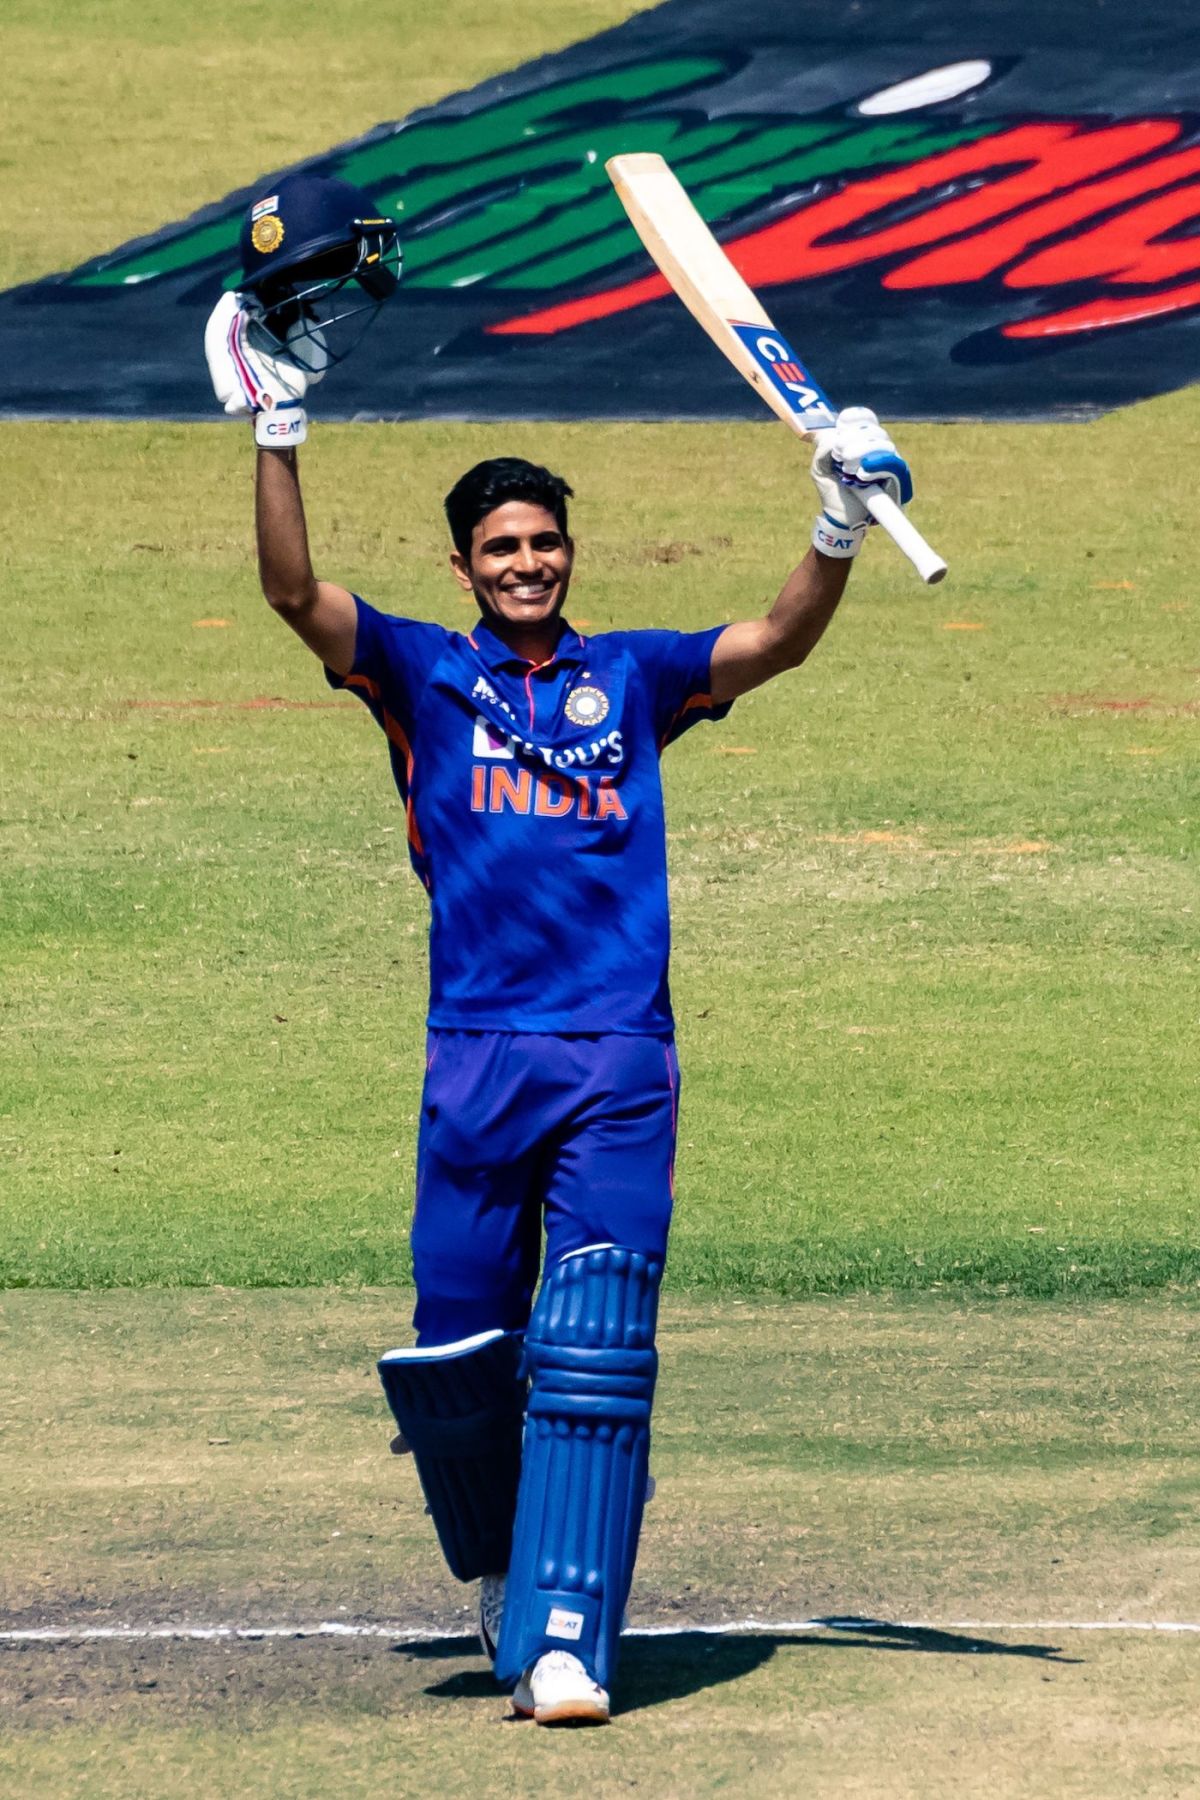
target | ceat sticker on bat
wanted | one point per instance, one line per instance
(786, 373)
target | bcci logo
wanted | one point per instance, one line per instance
(267, 233)
(586, 706)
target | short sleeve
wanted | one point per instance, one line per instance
(675, 668)
(393, 658)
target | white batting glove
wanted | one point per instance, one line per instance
(250, 381)
(855, 456)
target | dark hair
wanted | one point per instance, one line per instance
(489, 484)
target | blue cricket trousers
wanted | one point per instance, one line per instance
(520, 1130)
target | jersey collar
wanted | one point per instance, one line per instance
(570, 648)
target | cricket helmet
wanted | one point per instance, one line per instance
(318, 262)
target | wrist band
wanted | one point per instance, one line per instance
(834, 539)
(282, 427)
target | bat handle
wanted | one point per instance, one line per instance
(904, 534)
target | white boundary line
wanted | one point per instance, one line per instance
(407, 1634)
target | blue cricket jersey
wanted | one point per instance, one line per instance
(535, 814)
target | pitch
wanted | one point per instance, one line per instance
(953, 1489)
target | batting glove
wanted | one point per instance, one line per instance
(851, 459)
(251, 381)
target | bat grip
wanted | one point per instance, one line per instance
(904, 534)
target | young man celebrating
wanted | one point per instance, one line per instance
(526, 756)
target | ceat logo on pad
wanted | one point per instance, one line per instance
(565, 1624)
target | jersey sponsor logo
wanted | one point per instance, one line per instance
(490, 741)
(610, 750)
(497, 788)
(497, 744)
(587, 706)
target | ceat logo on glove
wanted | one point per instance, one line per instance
(281, 427)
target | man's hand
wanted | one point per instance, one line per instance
(250, 381)
(855, 456)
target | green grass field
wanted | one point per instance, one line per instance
(935, 895)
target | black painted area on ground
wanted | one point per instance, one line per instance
(1025, 247)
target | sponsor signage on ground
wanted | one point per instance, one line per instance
(991, 210)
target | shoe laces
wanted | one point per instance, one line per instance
(561, 1662)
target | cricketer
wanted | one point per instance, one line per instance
(526, 755)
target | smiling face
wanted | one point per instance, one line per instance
(519, 567)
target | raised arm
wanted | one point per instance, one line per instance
(747, 654)
(250, 383)
(855, 455)
(321, 613)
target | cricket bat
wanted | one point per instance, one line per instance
(718, 299)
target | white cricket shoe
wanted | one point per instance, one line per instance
(491, 1612)
(557, 1690)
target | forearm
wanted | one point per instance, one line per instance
(746, 655)
(807, 601)
(284, 564)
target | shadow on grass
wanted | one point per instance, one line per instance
(655, 1670)
(886, 1636)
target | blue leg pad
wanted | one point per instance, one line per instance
(461, 1407)
(591, 1361)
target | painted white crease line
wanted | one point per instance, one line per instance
(883, 1625)
(138, 1634)
(407, 1634)
(1047, 1625)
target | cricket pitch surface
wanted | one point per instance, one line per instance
(923, 1546)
